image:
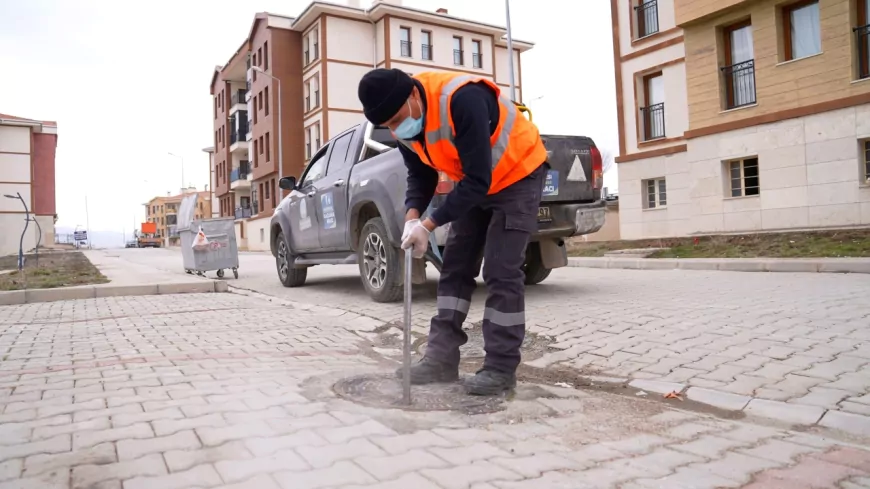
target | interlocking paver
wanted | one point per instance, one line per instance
(341, 474)
(200, 476)
(85, 476)
(101, 454)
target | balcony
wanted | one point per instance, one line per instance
(244, 211)
(239, 132)
(405, 48)
(647, 18)
(458, 57)
(239, 101)
(739, 80)
(239, 176)
(862, 41)
(653, 118)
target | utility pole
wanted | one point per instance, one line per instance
(507, 9)
(88, 224)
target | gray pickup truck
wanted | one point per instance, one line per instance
(349, 208)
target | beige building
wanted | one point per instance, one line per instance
(27, 168)
(163, 211)
(742, 115)
(319, 57)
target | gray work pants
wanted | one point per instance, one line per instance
(501, 227)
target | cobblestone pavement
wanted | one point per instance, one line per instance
(803, 339)
(222, 390)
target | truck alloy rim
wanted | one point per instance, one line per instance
(375, 260)
(283, 264)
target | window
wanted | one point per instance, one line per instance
(655, 193)
(266, 102)
(739, 72)
(261, 144)
(426, 45)
(260, 57)
(255, 109)
(307, 53)
(262, 235)
(338, 159)
(260, 201)
(274, 195)
(307, 144)
(647, 12)
(744, 177)
(317, 136)
(476, 57)
(316, 36)
(267, 195)
(801, 29)
(653, 115)
(266, 55)
(260, 101)
(256, 159)
(457, 51)
(405, 41)
(315, 169)
(268, 149)
(315, 88)
(866, 145)
(862, 39)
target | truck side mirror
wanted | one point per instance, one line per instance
(287, 183)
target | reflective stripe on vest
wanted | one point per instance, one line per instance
(445, 133)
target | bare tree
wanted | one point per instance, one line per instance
(607, 159)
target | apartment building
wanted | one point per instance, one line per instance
(742, 115)
(163, 211)
(215, 204)
(27, 163)
(315, 61)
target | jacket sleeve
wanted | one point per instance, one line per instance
(422, 181)
(472, 108)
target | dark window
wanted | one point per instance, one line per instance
(338, 158)
(268, 149)
(457, 51)
(266, 55)
(744, 177)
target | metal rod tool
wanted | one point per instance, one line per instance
(406, 352)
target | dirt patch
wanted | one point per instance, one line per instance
(48, 271)
(817, 244)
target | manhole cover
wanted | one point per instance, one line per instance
(385, 390)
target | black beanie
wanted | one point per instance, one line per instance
(383, 92)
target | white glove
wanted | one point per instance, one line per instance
(416, 237)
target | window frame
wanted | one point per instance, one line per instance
(743, 193)
(479, 54)
(730, 101)
(866, 161)
(405, 30)
(426, 45)
(658, 202)
(645, 81)
(786, 11)
(459, 51)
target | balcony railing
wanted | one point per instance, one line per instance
(244, 211)
(241, 172)
(476, 60)
(739, 84)
(239, 97)
(426, 51)
(653, 121)
(457, 57)
(406, 48)
(647, 18)
(862, 40)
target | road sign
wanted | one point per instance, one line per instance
(80, 235)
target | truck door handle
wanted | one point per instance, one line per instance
(339, 183)
(311, 194)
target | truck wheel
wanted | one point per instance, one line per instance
(379, 266)
(289, 276)
(534, 267)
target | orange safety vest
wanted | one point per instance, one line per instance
(517, 149)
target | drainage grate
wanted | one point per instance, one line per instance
(385, 391)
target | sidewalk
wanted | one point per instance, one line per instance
(222, 390)
(809, 265)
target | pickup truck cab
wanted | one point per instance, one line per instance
(348, 207)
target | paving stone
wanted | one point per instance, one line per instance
(636, 445)
(404, 443)
(463, 476)
(163, 427)
(132, 449)
(735, 466)
(778, 451)
(178, 460)
(239, 470)
(469, 453)
(719, 399)
(346, 433)
(810, 472)
(390, 467)
(851, 457)
(203, 475)
(470, 435)
(687, 478)
(54, 480)
(324, 456)
(656, 386)
(11, 469)
(341, 474)
(258, 482)
(57, 444)
(688, 431)
(532, 466)
(710, 446)
(218, 436)
(101, 454)
(261, 446)
(787, 413)
(91, 438)
(848, 422)
(822, 397)
(85, 476)
(407, 481)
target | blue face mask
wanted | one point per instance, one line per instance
(410, 127)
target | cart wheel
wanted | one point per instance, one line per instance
(201, 274)
(220, 273)
(236, 272)
(189, 272)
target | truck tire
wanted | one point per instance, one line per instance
(534, 267)
(379, 264)
(289, 276)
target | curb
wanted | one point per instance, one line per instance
(790, 265)
(30, 296)
(792, 414)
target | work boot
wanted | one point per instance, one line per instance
(488, 382)
(429, 371)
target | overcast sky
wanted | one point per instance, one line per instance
(129, 84)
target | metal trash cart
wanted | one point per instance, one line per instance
(222, 251)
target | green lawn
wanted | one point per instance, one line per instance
(820, 244)
(53, 270)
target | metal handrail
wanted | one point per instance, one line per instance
(740, 83)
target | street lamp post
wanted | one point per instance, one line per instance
(510, 46)
(24, 232)
(280, 132)
(182, 170)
